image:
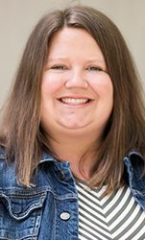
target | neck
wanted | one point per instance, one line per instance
(76, 151)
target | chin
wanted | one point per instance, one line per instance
(74, 126)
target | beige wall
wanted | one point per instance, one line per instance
(17, 17)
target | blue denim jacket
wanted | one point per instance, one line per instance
(48, 210)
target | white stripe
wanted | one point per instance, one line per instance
(138, 235)
(114, 200)
(126, 223)
(92, 205)
(99, 191)
(99, 217)
(122, 215)
(133, 229)
(88, 219)
(85, 222)
(92, 237)
(119, 207)
(82, 238)
(91, 198)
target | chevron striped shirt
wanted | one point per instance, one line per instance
(116, 216)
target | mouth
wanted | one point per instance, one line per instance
(75, 101)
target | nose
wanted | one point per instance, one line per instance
(76, 80)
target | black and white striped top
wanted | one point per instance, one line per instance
(116, 216)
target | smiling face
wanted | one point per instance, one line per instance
(76, 92)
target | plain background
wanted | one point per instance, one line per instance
(18, 17)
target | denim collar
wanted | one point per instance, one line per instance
(46, 157)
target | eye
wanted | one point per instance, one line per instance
(94, 68)
(58, 67)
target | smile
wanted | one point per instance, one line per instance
(74, 101)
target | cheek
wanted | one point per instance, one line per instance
(102, 86)
(50, 84)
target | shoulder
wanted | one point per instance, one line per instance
(2, 153)
(7, 170)
(134, 160)
(3, 162)
(134, 170)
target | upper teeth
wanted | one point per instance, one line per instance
(74, 100)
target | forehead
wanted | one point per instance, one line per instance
(74, 41)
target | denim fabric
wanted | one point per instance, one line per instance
(48, 210)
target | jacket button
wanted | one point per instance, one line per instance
(65, 216)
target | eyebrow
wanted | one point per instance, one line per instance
(92, 60)
(57, 59)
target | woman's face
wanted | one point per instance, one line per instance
(76, 92)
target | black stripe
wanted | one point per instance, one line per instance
(92, 222)
(89, 202)
(97, 231)
(124, 219)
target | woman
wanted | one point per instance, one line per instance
(72, 137)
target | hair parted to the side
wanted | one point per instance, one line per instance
(21, 132)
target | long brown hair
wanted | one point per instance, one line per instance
(21, 131)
